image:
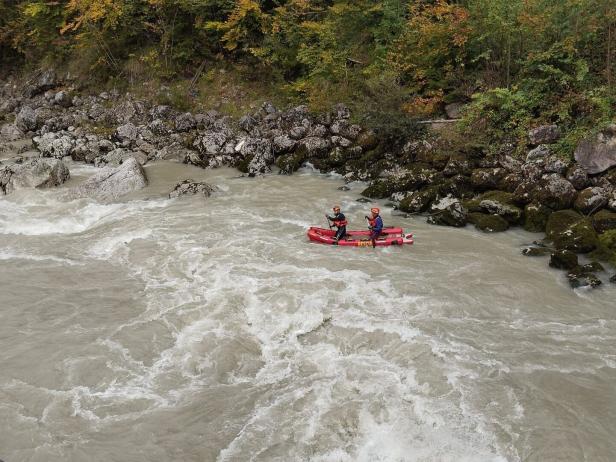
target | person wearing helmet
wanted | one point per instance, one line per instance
(375, 225)
(339, 221)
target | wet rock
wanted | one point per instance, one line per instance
(488, 223)
(191, 188)
(579, 279)
(569, 230)
(563, 259)
(418, 201)
(500, 204)
(590, 200)
(448, 211)
(555, 192)
(540, 152)
(26, 119)
(37, 173)
(56, 145)
(544, 134)
(261, 155)
(604, 220)
(111, 183)
(613, 279)
(536, 251)
(185, 122)
(289, 163)
(343, 188)
(593, 267)
(536, 217)
(363, 200)
(119, 156)
(596, 155)
(10, 132)
(578, 177)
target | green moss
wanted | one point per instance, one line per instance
(536, 217)
(571, 231)
(379, 189)
(290, 163)
(488, 223)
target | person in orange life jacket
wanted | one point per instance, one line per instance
(375, 225)
(339, 221)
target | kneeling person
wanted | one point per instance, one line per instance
(339, 221)
(376, 225)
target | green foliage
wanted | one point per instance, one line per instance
(519, 62)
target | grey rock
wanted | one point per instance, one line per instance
(597, 154)
(314, 146)
(45, 80)
(185, 122)
(37, 173)
(261, 154)
(540, 152)
(578, 177)
(544, 134)
(555, 192)
(127, 133)
(56, 145)
(62, 98)
(26, 119)
(112, 183)
(591, 200)
(284, 144)
(191, 188)
(247, 123)
(448, 211)
(211, 143)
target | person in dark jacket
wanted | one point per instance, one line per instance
(375, 225)
(339, 221)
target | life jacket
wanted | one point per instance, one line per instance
(372, 222)
(340, 223)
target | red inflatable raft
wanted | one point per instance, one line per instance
(390, 236)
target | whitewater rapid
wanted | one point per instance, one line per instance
(210, 330)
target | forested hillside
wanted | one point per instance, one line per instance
(518, 61)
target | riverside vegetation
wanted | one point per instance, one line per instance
(528, 87)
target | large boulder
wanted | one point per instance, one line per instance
(37, 173)
(127, 133)
(185, 122)
(211, 143)
(111, 183)
(26, 119)
(596, 155)
(56, 145)
(258, 154)
(590, 200)
(569, 230)
(448, 212)
(496, 203)
(488, 223)
(418, 201)
(555, 192)
(540, 152)
(545, 134)
(191, 188)
(314, 146)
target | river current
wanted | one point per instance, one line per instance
(192, 329)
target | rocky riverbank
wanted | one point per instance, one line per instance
(573, 202)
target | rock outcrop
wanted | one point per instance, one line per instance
(34, 173)
(597, 154)
(112, 183)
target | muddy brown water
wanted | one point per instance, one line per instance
(211, 330)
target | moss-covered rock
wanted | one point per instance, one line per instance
(448, 211)
(563, 259)
(496, 203)
(242, 165)
(536, 217)
(419, 201)
(488, 223)
(578, 278)
(289, 163)
(380, 189)
(536, 251)
(569, 230)
(604, 220)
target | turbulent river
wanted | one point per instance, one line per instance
(211, 330)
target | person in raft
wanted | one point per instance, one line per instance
(375, 225)
(339, 221)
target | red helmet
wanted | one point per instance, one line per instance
(375, 210)
(335, 207)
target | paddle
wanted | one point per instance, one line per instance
(370, 227)
(328, 224)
